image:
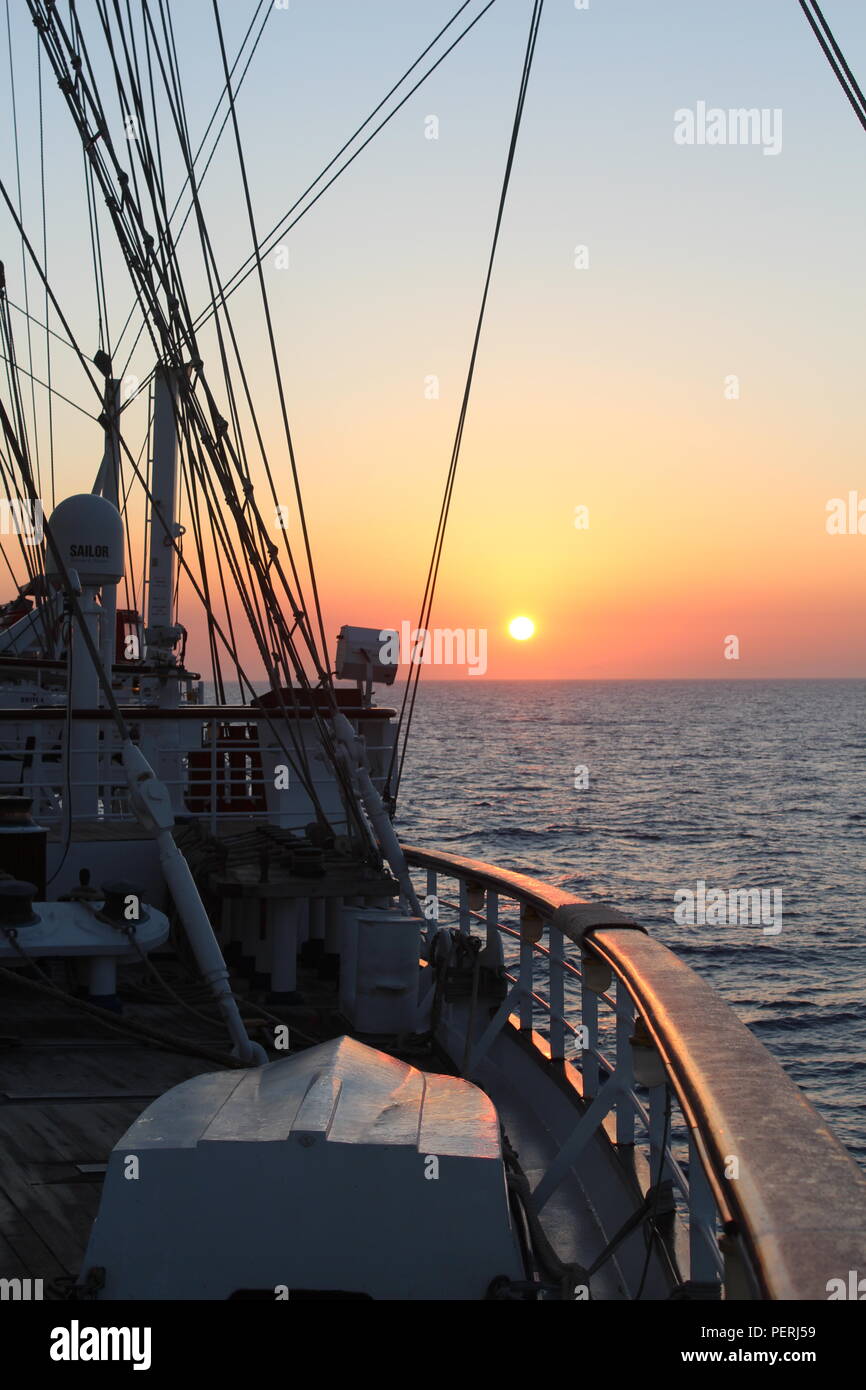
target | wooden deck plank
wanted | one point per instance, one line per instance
(30, 1250)
(46, 1209)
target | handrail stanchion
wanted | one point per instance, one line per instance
(658, 1129)
(557, 994)
(493, 946)
(432, 901)
(589, 1031)
(528, 921)
(624, 1065)
(703, 1263)
(465, 919)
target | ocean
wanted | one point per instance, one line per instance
(632, 792)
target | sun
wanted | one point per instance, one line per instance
(521, 629)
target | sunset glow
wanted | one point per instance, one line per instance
(664, 439)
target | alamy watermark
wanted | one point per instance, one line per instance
(712, 125)
(77, 1343)
(846, 516)
(22, 1290)
(21, 518)
(713, 907)
(854, 1288)
(438, 646)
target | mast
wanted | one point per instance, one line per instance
(161, 634)
(108, 486)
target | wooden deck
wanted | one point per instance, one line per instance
(70, 1088)
(68, 1091)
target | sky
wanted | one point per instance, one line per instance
(668, 392)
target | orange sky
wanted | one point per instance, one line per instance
(603, 386)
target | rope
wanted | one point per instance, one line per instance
(285, 225)
(433, 572)
(271, 338)
(143, 1031)
(836, 58)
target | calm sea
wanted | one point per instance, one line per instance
(741, 784)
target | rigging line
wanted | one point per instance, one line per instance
(831, 48)
(30, 556)
(133, 107)
(7, 341)
(272, 341)
(53, 390)
(71, 596)
(325, 733)
(284, 226)
(77, 92)
(23, 466)
(88, 185)
(82, 97)
(155, 309)
(14, 493)
(48, 334)
(193, 463)
(123, 508)
(176, 104)
(433, 572)
(304, 776)
(126, 108)
(40, 323)
(12, 574)
(195, 522)
(101, 307)
(838, 52)
(268, 7)
(247, 598)
(143, 587)
(23, 257)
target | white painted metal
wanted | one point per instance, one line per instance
(153, 806)
(83, 792)
(340, 1169)
(349, 957)
(72, 930)
(387, 971)
(107, 484)
(354, 757)
(161, 633)
(282, 928)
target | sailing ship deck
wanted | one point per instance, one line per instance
(70, 1088)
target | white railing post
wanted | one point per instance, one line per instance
(624, 1065)
(556, 994)
(526, 963)
(492, 942)
(432, 893)
(659, 1128)
(465, 919)
(703, 1264)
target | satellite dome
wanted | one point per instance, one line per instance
(88, 532)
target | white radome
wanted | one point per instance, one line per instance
(88, 531)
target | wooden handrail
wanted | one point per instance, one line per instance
(798, 1204)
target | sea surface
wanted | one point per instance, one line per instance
(740, 784)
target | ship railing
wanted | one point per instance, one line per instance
(774, 1205)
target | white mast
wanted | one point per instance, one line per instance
(161, 634)
(107, 485)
